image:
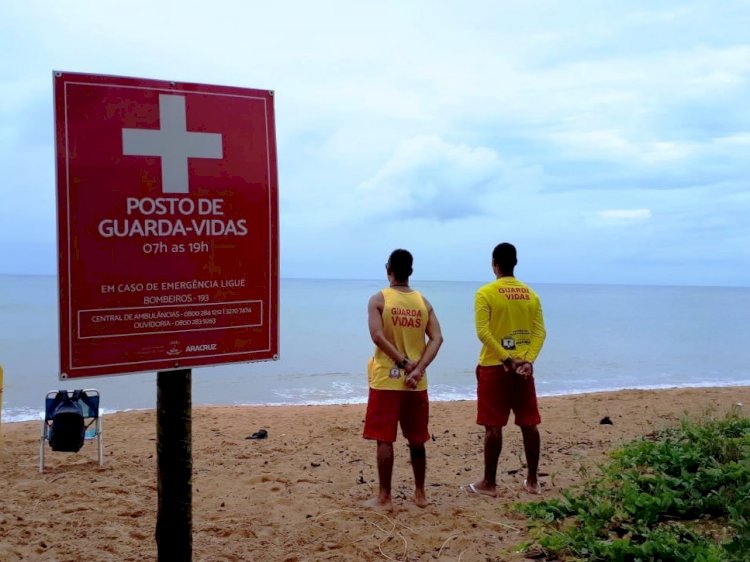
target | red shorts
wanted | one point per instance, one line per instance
(386, 408)
(500, 391)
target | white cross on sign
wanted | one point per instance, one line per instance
(173, 143)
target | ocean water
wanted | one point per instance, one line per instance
(598, 338)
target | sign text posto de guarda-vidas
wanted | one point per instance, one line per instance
(167, 224)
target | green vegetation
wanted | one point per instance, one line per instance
(679, 495)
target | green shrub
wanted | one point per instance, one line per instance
(680, 494)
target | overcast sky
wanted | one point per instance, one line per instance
(610, 141)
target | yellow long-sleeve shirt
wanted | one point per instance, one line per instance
(509, 321)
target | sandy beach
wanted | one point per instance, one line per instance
(297, 495)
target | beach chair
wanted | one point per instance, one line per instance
(70, 418)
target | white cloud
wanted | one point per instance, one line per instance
(612, 145)
(624, 215)
(430, 178)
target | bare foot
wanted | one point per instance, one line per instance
(480, 489)
(532, 488)
(379, 503)
(420, 500)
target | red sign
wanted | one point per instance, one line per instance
(167, 225)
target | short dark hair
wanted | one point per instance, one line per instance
(504, 257)
(399, 264)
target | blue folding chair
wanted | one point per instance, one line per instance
(70, 418)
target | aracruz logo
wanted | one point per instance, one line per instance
(202, 347)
